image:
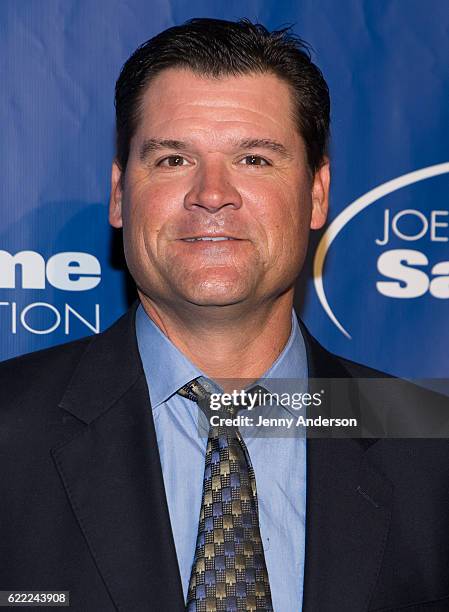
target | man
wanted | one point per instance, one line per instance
(221, 169)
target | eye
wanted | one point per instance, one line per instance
(173, 161)
(254, 160)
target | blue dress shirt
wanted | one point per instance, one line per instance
(279, 462)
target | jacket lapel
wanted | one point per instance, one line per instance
(113, 476)
(347, 510)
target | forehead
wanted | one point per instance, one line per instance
(253, 105)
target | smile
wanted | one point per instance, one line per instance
(208, 238)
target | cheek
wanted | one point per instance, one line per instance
(281, 214)
(150, 209)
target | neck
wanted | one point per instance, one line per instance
(234, 343)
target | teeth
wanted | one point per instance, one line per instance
(216, 239)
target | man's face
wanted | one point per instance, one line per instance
(217, 158)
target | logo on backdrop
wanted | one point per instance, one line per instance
(402, 273)
(67, 271)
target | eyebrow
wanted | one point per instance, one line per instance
(154, 144)
(263, 143)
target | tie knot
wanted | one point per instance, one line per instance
(196, 392)
(199, 392)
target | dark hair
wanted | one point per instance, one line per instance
(218, 48)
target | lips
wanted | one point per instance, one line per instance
(208, 239)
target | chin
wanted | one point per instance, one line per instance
(217, 293)
(211, 300)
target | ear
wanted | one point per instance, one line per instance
(115, 202)
(320, 195)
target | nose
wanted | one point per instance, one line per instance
(212, 189)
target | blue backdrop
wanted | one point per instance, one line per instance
(376, 285)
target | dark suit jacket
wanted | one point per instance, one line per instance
(83, 506)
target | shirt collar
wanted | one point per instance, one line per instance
(167, 368)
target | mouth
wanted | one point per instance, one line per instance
(208, 239)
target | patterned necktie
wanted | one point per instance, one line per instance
(229, 572)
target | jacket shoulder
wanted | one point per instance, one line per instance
(359, 370)
(42, 373)
(325, 364)
(35, 383)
